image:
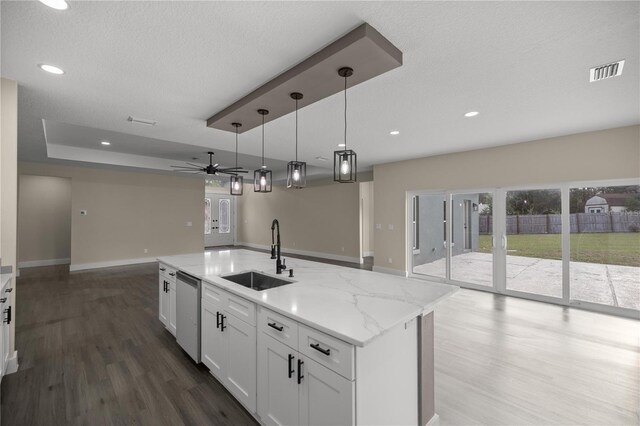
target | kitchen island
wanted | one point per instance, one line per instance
(336, 345)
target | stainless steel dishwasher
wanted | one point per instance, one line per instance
(188, 291)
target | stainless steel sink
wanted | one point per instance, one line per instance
(256, 280)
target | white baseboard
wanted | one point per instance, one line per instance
(389, 271)
(110, 263)
(435, 421)
(45, 262)
(12, 363)
(305, 253)
(367, 254)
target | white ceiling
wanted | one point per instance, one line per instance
(523, 65)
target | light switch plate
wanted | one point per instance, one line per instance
(83, 212)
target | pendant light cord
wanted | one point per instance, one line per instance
(345, 112)
(236, 147)
(262, 140)
(296, 130)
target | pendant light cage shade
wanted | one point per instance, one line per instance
(296, 170)
(262, 180)
(262, 176)
(296, 174)
(345, 166)
(236, 183)
(345, 162)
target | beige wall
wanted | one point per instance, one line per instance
(9, 187)
(44, 224)
(606, 154)
(320, 219)
(366, 199)
(128, 212)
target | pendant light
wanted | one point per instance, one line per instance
(236, 182)
(296, 170)
(345, 161)
(262, 176)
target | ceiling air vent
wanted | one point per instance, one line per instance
(144, 121)
(603, 72)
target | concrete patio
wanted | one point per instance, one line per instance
(612, 285)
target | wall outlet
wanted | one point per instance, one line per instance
(188, 224)
(146, 250)
(83, 212)
(390, 260)
(378, 226)
(391, 227)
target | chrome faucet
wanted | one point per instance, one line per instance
(275, 248)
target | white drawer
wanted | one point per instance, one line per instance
(331, 352)
(278, 326)
(171, 274)
(214, 295)
(241, 308)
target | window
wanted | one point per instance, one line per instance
(414, 223)
(224, 210)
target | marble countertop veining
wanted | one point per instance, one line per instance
(351, 304)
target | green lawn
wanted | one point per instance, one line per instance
(605, 248)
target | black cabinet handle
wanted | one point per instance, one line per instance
(163, 269)
(317, 347)
(172, 274)
(4, 299)
(222, 326)
(291, 370)
(273, 325)
(8, 318)
(164, 286)
(300, 376)
(217, 319)
(9, 290)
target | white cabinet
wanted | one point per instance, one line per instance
(326, 398)
(277, 382)
(167, 297)
(229, 342)
(172, 307)
(7, 317)
(293, 388)
(163, 310)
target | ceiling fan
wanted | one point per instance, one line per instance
(211, 169)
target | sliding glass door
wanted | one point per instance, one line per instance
(533, 242)
(570, 244)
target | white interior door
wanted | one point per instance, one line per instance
(219, 220)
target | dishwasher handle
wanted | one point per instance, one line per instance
(188, 279)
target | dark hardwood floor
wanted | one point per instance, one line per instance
(92, 351)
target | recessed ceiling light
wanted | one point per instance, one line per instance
(471, 114)
(56, 4)
(106, 143)
(394, 132)
(51, 69)
(341, 145)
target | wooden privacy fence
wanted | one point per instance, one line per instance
(579, 222)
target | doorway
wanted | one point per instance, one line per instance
(219, 220)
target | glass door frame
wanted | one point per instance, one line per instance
(448, 196)
(500, 247)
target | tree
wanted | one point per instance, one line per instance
(633, 204)
(539, 201)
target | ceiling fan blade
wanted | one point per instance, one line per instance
(189, 171)
(216, 165)
(194, 165)
(233, 170)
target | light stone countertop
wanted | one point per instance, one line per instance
(4, 278)
(351, 304)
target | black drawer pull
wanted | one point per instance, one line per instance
(300, 376)
(291, 370)
(317, 347)
(222, 326)
(4, 299)
(273, 325)
(172, 274)
(9, 290)
(163, 269)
